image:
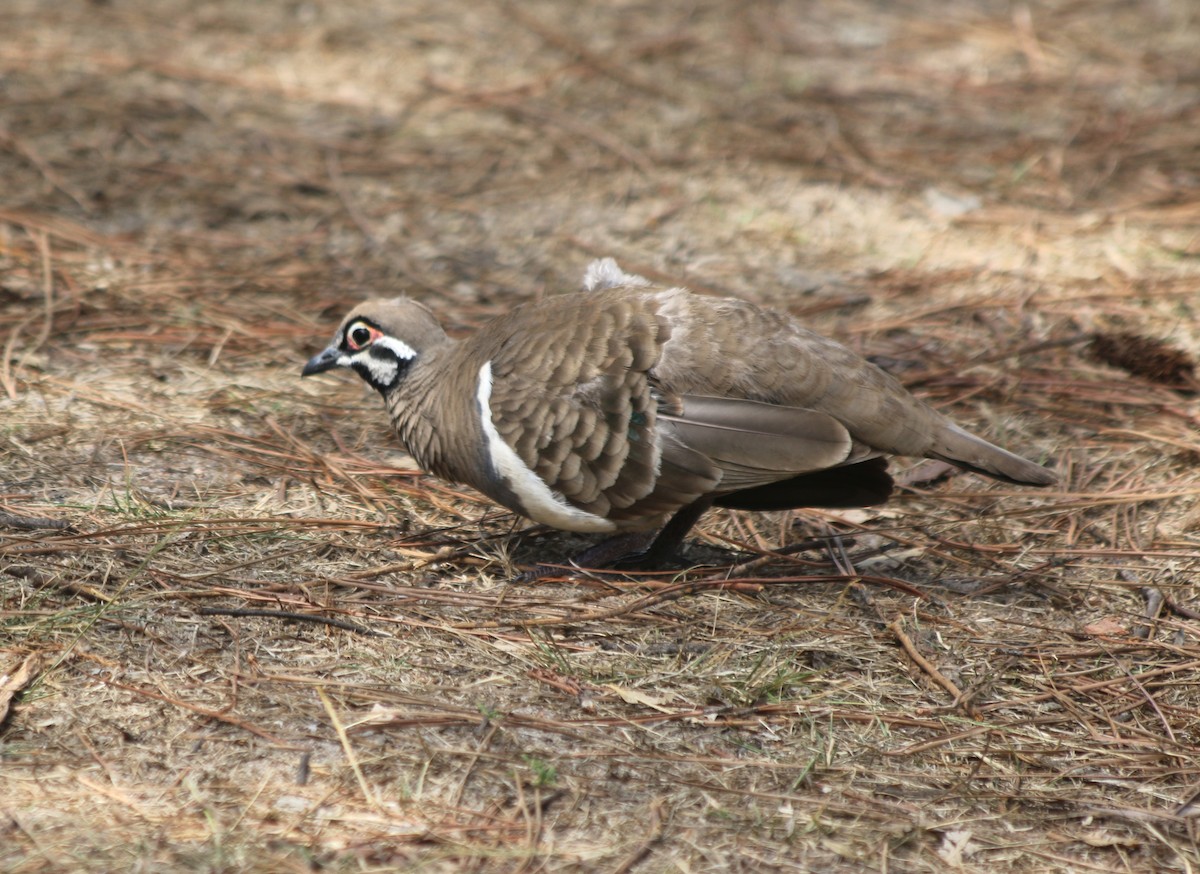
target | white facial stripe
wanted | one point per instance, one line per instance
(398, 348)
(383, 370)
(540, 503)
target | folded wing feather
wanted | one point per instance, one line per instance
(754, 443)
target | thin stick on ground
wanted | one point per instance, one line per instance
(896, 627)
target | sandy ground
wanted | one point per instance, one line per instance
(239, 632)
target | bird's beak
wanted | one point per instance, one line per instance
(327, 359)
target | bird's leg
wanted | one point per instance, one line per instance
(606, 553)
(635, 550)
(665, 546)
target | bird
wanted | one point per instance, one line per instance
(628, 408)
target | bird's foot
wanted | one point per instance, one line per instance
(637, 550)
(634, 551)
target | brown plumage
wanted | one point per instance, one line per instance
(623, 405)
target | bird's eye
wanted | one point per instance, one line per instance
(359, 336)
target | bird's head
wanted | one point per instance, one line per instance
(380, 340)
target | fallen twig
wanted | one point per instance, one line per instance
(42, 578)
(289, 616)
(32, 523)
(1154, 605)
(927, 666)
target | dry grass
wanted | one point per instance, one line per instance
(239, 633)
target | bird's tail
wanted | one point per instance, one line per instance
(960, 448)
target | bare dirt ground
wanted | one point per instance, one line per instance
(260, 641)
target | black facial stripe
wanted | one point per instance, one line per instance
(381, 366)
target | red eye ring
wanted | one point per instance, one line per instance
(360, 335)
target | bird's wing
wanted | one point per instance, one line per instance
(730, 348)
(577, 405)
(754, 443)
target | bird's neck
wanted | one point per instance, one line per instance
(435, 414)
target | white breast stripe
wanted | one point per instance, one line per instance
(541, 504)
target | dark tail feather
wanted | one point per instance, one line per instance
(855, 485)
